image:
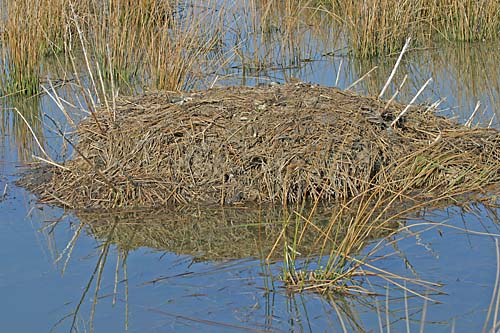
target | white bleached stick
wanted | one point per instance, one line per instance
(407, 43)
(412, 101)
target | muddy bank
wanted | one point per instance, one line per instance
(272, 144)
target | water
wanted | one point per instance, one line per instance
(59, 273)
(159, 290)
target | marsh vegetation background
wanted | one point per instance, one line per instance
(217, 270)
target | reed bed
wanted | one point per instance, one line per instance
(21, 44)
(378, 28)
(175, 45)
(31, 31)
(162, 44)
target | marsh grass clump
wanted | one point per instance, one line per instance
(161, 44)
(378, 28)
(21, 48)
(464, 20)
(31, 30)
(131, 41)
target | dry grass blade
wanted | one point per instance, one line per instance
(48, 159)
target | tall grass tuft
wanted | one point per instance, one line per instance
(21, 51)
(375, 28)
(158, 44)
(119, 33)
(30, 31)
(464, 20)
(186, 47)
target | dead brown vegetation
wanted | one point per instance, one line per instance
(278, 144)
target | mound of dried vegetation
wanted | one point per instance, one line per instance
(273, 144)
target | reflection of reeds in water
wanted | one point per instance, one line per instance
(472, 74)
(206, 233)
(463, 74)
(278, 36)
(96, 276)
(119, 234)
(16, 128)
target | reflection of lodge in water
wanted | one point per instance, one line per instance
(221, 233)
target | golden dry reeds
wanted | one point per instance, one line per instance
(31, 30)
(170, 45)
(21, 48)
(464, 20)
(160, 44)
(378, 28)
(152, 42)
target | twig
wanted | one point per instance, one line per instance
(407, 43)
(113, 96)
(55, 97)
(4, 194)
(424, 314)
(412, 101)
(396, 93)
(214, 81)
(338, 73)
(361, 78)
(468, 123)
(50, 162)
(34, 136)
(494, 296)
(434, 105)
